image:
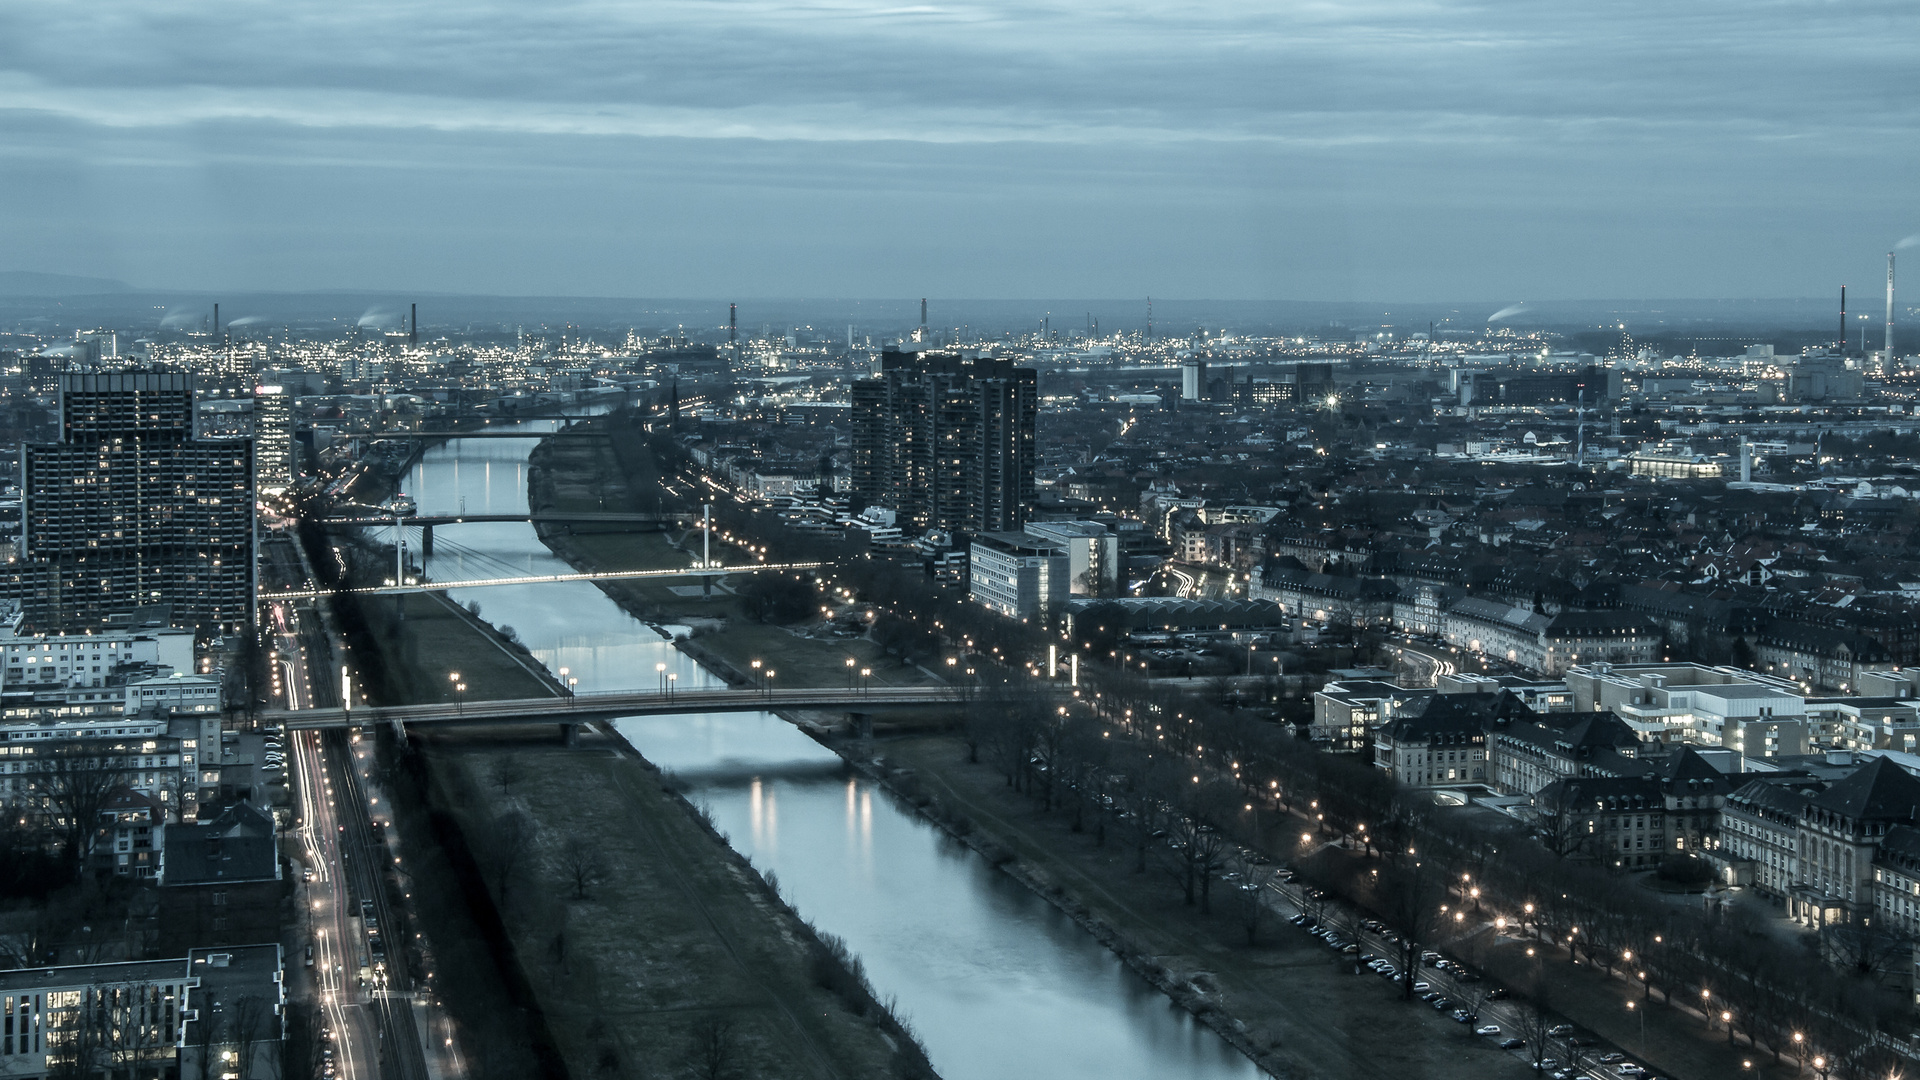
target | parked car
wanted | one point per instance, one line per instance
(1513, 1044)
(1487, 1029)
(1560, 1030)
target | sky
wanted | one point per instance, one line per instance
(1413, 150)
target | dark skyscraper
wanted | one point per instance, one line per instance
(946, 440)
(130, 509)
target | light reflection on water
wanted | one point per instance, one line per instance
(996, 982)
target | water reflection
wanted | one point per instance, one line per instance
(996, 982)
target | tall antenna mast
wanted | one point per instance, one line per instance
(1889, 345)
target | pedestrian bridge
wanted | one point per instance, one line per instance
(569, 711)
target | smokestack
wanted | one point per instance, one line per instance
(413, 324)
(1746, 461)
(1843, 320)
(733, 322)
(1889, 305)
(923, 313)
(216, 319)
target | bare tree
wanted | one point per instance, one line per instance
(1566, 819)
(583, 864)
(75, 779)
(508, 844)
(1413, 895)
(507, 770)
(250, 1025)
(1250, 894)
(715, 1048)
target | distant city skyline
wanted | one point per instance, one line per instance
(1387, 151)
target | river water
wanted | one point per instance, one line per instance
(996, 982)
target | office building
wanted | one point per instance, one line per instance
(946, 440)
(132, 508)
(1093, 554)
(1019, 576)
(272, 439)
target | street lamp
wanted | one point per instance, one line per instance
(1632, 1008)
(673, 682)
(660, 673)
(866, 673)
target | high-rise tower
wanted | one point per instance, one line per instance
(946, 440)
(130, 508)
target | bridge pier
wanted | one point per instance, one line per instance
(860, 725)
(426, 545)
(570, 735)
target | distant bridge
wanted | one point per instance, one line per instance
(491, 433)
(540, 579)
(427, 522)
(571, 711)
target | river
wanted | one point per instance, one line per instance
(995, 981)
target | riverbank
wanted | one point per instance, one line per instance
(1286, 1002)
(615, 475)
(649, 942)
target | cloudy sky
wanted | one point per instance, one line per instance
(1367, 149)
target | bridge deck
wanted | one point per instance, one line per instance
(582, 708)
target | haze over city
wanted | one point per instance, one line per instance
(1386, 151)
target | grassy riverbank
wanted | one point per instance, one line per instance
(667, 947)
(424, 638)
(616, 474)
(1298, 1006)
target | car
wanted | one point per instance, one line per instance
(1350, 949)
(1422, 985)
(1628, 1068)
(1498, 993)
(1608, 1059)
(271, 766)
(1368, 958)
(1430, 956)
(1582, 1040)
(1512, 1044)
(1560, 1030)
(1546, 1064)
(1461, 974)
(1462, 1016)
(1442, 965)
(1487, 1029)
(1389, 972)
(1442, 1004)
(1300, 919)
(1430, 996)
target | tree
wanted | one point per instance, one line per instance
(507, 771)
(583, 865)
(1566, 821)
(508, 844)
(251, 1024)
(1413, 895)
(76, 778)
(714, 1048)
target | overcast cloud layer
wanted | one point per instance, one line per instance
(1363, 150)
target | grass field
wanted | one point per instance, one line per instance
(672, 930)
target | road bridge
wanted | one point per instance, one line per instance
(489, 433)
(427, 522)
(539, 579)
(570, 711)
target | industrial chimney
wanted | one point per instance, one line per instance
(216, 320)
(413, 324)
(733, 322)
(923, 313)
(1889, 345)
(1843, 320)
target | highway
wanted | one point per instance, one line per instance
(370, 1016)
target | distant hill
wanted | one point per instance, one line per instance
(35, 283)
